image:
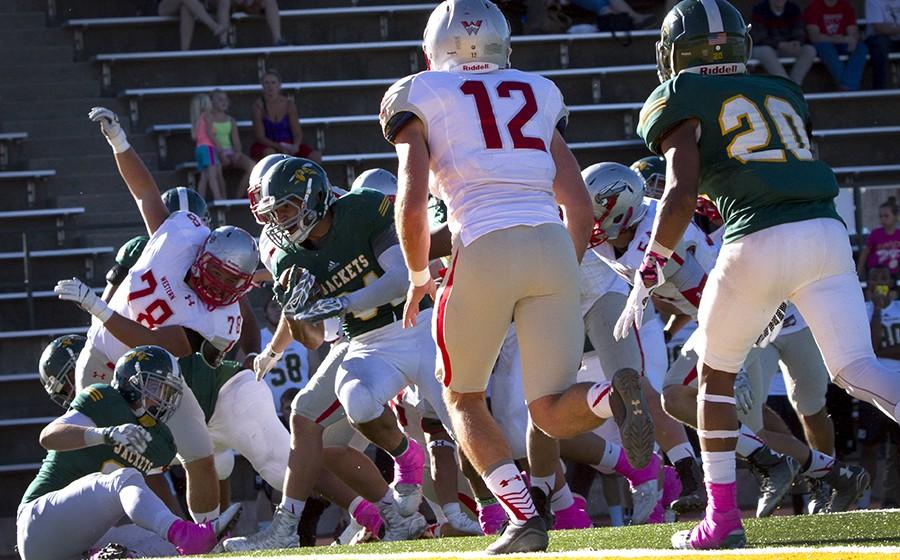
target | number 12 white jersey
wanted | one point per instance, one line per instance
(489, 136)
(155, 293)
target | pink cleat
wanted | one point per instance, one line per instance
(491, 518)
(658, 515)
(671, 485)
(716, 531)
(200, 538)
(634, 476)
(367, 515)
(573, 517)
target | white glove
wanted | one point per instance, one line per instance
(265, 361)
(77, 291)
(650, 272)
(773, 329)
(130, 436)
(112, 130)
(743, 393)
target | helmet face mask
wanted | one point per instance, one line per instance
(707, 37)
(150, 376)
(295, 196)
(467, 36)
(254, 186)
(617, 195)
(223, 270)
(57, 368)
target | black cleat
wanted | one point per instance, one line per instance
(775, 473)
(530, 537)
(630, 412)
(542, 506)
(693, 493)
(848, 483)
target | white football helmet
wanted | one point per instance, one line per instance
(377, 179)
(617, 196)
(467, 36)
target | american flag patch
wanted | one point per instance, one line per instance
(717, 38)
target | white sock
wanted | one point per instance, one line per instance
(681, 451)
(616, 516)
(747, 442)
(292, 506)
(718, 466)
(544, 483)
(506, 483)
(610, 458)
(598, 399)
(201, 517)
(145, 508)
(451, 508)
(819, 464)
(562, 499)
(865, 499)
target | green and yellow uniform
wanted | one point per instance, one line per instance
(756, 162)
(105, 407)
(206, 381)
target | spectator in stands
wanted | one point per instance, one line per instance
(276, 124)
(267, 7)
(832, 29)
(189, 11)
(206, 151)
(882, 247)
(777, 30)
(607, 8)
(883, 19)
(228, 141)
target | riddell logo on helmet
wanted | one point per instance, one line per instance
(472, 27)
(477, 67)
(719, 69)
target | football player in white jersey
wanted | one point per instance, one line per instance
(484, 139)
(835, 484)
(181, 295)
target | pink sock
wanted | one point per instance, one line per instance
(368, 516)
(408, 465)
(722, 497)
(637, 476)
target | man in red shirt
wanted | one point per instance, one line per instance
(831, 25)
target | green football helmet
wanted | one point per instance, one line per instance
(703, 36)
(57, 368)
(185, 199)
(653, 170)
(295, 195)
(150, 374)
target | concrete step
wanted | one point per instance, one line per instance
(23, 20)
(27, 53)
(44, 36)
(82, 145)
(54, 72)
(101, 162)
(64, 108)
(44, 91)
(15, 6)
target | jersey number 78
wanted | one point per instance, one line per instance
(489, 130)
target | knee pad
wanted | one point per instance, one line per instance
(867, 380)
(359, 402)
(224, 463)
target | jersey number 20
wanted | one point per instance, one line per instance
(492, 140)
(753, 144)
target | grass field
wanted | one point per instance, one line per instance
(856, 535)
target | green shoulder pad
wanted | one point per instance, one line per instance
(131, 251)
(99, 402)
(672, 102)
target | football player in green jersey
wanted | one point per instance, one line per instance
(744, 141)
(98, 454)
(349, 248)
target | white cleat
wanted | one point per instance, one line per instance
(401, 528)
(280, 533)
(464, 524)
(407, 497)
(643, 500)
(348, 533)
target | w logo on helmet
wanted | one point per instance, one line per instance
(472, 27)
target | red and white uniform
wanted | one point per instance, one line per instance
(155, 293)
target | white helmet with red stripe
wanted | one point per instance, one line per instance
(617, 197)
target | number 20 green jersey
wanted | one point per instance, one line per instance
(756, 160)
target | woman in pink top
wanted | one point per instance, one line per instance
(883, 245)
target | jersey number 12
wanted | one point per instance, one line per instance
(489, 130)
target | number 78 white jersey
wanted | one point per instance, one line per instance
(155, 293)
(489, 137)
